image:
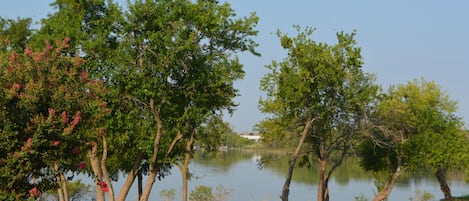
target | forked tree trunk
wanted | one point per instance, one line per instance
(286, 185)
(386, 191)
(323, 188)
(130, 179)
(93, 156)
(440, 175)
(184, 168)
(153, 170)
(62, 188)
(105, 172)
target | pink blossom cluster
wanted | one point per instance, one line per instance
(29, 145)
(34, 192)
(103, 186)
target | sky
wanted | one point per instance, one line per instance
(401, 40)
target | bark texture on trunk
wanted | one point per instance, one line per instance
(95, 166)
(286, 185)
(153, 170)
(441, 176)
(140, 185)
(130, 179)
(62, 188)
(185, 167)
(105, 172)
(386, 191)
(323, 189)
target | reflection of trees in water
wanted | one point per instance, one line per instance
(221, 160)
(307, 172)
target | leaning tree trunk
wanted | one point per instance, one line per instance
(323, 189)
(286, 185)
(62, 183)
(93, 156)
(440, 175)
(105, 172)
(122, 196)
(386, 191)
(185, 166)
(156, 143)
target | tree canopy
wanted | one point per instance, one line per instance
(415, 128)
(321, 90)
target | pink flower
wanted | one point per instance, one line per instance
(66, 42)
(17, 87)
(84, 74)
(102, 184)
(52, 112)
(64, 117)
(28, 52)
(13, 57)
(37, 57)
(75, 150)
(34, 192)
(77, 119)
(29, 143)
(82, 165)
(56, 143)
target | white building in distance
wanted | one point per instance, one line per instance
(253, 136)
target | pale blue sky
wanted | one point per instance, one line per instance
(401, 40)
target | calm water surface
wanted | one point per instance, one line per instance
(239, 172)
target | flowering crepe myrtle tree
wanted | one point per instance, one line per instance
(50, 111)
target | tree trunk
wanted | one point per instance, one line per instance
(130, 179)
(153, 170)
(62, 189)
(140, 185)
(440, 175)
(105, 172)
(63, 182)
(286, 185)
(185, 167)
(323, 188)
(93, 156)
(386, 191)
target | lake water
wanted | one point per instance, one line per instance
(239, 172)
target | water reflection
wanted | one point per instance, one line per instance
(240, 171)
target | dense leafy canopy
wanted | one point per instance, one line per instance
(415, 128)
(321, 90)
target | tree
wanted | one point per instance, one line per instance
(51, 109)
(213, 134)
(415, 128)
(177, 65)
(322, 90)
(92, 28)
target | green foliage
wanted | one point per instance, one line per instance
(422, 196)
(416, 123)
(173, 61)
(14, 34)
(204, 193)
(316, 81)
(168, 195)
(318, 92)
(361, 197)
